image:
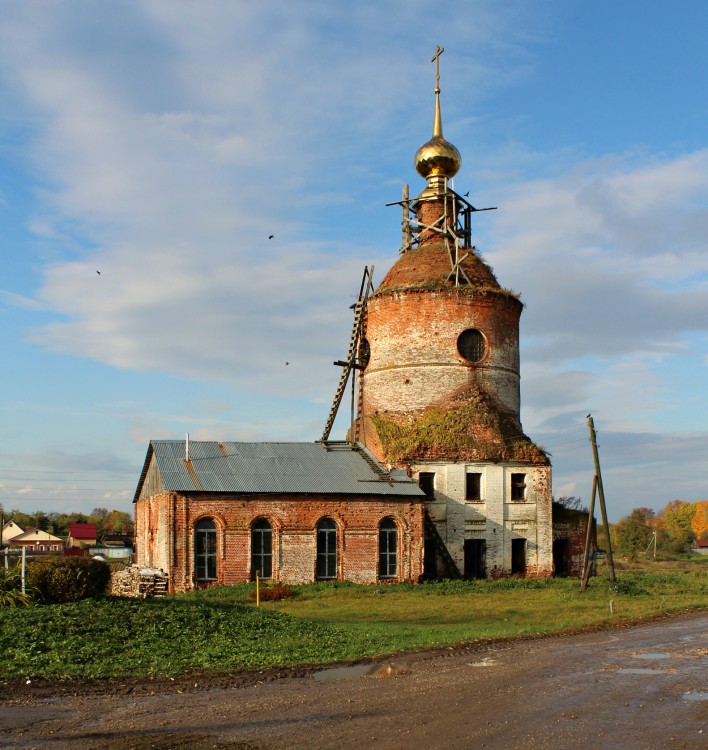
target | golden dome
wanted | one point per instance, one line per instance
(437, 157)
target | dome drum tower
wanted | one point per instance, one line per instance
(439, 386)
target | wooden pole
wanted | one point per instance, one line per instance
(352, 438)
(588, 537)
(407, 233)
(601, 495)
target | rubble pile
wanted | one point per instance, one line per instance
(138, 582)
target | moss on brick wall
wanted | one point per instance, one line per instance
(471, 427)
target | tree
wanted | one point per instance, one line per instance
(647, 513)
(632, 533)
(572, 503)
(678, 516)
(699, 522)
(24, 520)
(42, 520)
(118, 522)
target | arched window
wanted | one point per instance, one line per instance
(326, 549)
(205, 550)
(388, 548)
(262, 549)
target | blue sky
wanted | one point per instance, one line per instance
(161, 142)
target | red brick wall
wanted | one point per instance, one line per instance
(572, 526)
(414, 358)
(165, 539)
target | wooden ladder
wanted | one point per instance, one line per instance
(350, 363)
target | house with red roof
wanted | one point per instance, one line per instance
(82, 535)
(37, 541)
(700, 547)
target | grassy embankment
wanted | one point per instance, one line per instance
(221, 630)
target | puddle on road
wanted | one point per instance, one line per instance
(360, 670)
(695, 696)
(637, 670)
(651, 656)
(484, 663)
(346, 673)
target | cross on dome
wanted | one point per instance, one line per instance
(437, 157)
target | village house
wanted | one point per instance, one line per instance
(36, 541)
(9, 531)
(437, 477)
(82, 535)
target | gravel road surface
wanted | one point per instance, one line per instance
(631, 688)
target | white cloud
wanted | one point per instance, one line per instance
(169, 139)
(608, 257)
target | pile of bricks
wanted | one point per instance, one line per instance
(138, 582)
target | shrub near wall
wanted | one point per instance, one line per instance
(67, 579)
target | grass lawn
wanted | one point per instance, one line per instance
(221, 630)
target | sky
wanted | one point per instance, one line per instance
(162, 142)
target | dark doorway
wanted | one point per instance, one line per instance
(561, 557)
(475, 553)
(430, 559)
(518, 557)
(426, 480)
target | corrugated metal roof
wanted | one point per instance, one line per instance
(242, 468)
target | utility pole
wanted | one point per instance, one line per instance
(588, 537)
(601, 495)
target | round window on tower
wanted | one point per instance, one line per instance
(472, 345)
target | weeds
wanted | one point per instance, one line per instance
(221, 630)
(11, 594)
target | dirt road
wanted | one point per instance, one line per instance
(638, 688)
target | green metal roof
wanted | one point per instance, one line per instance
(265, 468)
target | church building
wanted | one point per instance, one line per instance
(436, 478)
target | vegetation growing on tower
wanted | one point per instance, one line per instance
(471, 428)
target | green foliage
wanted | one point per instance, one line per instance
(678, 517)
(58, 523)
(633, 534)
(630, 586)
(473, 426)
(11, 594)
(67, 579)
(221, 630)
(113, 637)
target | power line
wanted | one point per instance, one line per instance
(62, 471)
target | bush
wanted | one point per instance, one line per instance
(67, 579)
(11, 589)
(273, 593)
(629, 586)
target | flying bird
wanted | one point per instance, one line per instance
(467, 194)
(270, 236)
(287, 363)
(98, 272)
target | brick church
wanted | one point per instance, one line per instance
(436, 478)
